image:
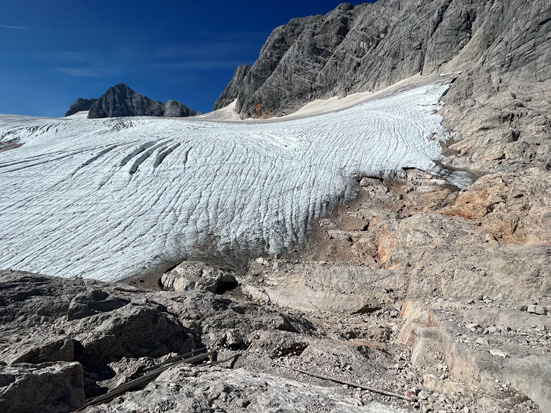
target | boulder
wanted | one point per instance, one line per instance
(49, 388)
(92, 302)
(38, 350)
(136, 330)
(191, 275)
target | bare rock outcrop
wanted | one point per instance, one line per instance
(472, 289)
(191, 275)
(59, 336)
(175, 109)
(80, 105)
(48, 387)
(366, 47)
(136, 330)
(232, 89)
(192, 390)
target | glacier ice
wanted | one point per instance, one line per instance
(112, 198)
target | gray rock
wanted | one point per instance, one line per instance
(93, 302)
(136, 330)
(423, 395)
(191, 275)
(41, 350)
(335, 288)
(175, 109)
(29, 299)
(80, 105)
(183, 389)
(370, 46)
(498, 353)
(232, 90)
(537, 309)
(56, 319)
(49, 387)
(120, 101)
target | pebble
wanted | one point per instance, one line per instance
(498, 353)
(482, 341)
(537, 309)
(423, 395)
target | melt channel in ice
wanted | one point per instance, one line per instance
(112, 198)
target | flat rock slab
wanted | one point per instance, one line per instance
(187, 390)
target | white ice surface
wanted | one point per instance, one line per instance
(111, 198)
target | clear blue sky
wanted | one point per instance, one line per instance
(54, 51)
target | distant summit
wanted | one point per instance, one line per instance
(120, 100)
(80, 105)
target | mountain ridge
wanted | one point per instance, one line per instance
(80, 105)
(370, 46)
(120, 101)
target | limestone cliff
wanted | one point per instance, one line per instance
(366, 47)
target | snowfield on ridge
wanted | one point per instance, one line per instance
(113, 198)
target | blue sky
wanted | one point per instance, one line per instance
(54, 51)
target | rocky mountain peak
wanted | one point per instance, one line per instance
(120, 100)
(122, 87)
(345, 6)
(80, 105)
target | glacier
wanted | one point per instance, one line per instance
(113, 198)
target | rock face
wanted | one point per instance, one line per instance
(370, 46)
(60, 335)
(120, 101)
(232, 90)
(175, 109)
(80, 105)
(48, 387)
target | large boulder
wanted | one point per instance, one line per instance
(138, 329)
(191, 275)
(48, 388)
